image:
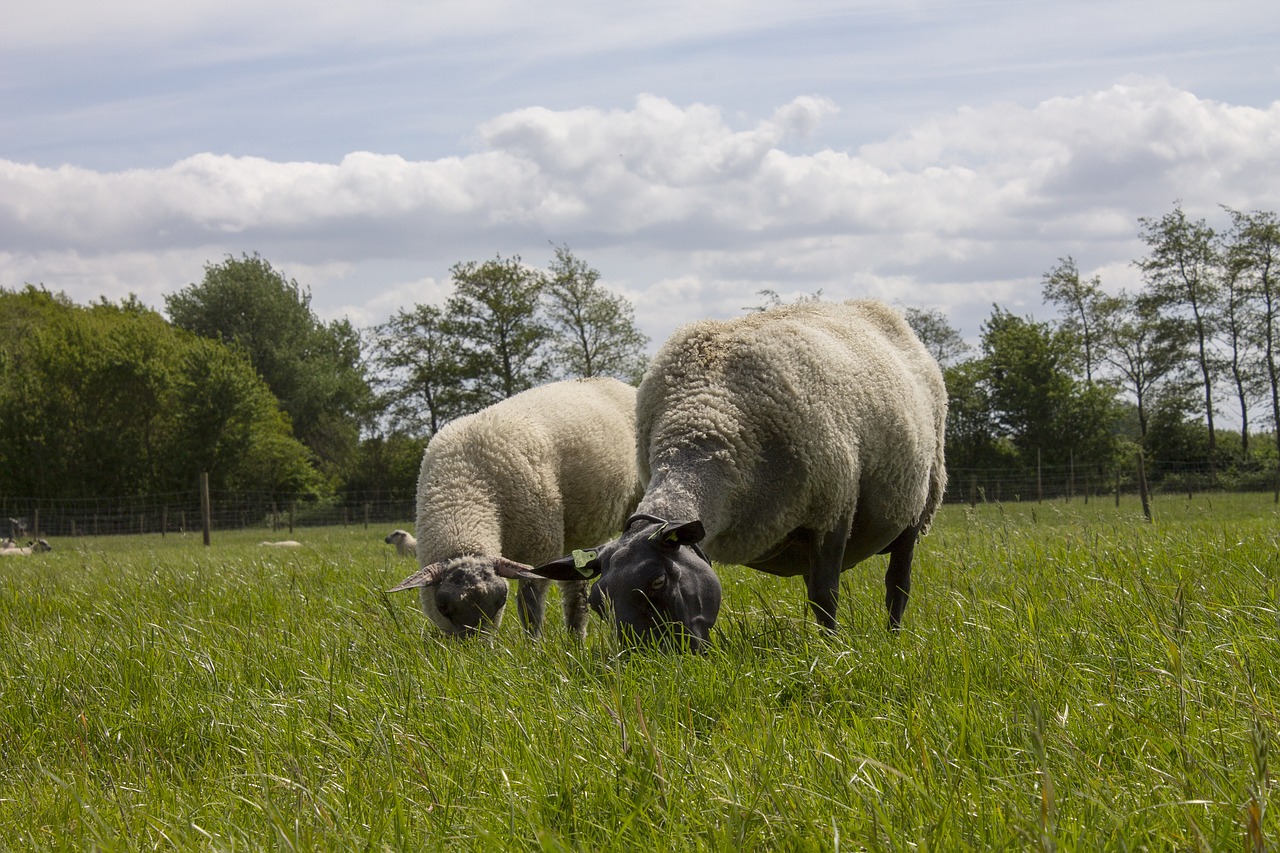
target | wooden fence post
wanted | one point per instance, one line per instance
(206, 512)
(1142, 486)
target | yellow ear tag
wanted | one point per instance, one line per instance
(580, 560)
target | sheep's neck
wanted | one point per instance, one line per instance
(689, 486)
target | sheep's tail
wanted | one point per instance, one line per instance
(937, 488)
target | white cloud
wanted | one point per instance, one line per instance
(689, 210)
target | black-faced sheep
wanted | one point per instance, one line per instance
(550, 469)
(405, 544)
(797, 441)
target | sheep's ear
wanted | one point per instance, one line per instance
(516, 571)
(425, 576)
(578, 566)
(688, 533)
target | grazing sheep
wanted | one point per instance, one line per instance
(9, 548)
(550, 469)
(283, 543)
(406, 545)
(797, 441)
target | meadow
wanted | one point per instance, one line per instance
(1070, 677)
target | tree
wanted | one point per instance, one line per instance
(1087, 310)
(1253, 260)
(1035, 399)
(313, 368)
(418, 371)
(1181, 272)
(937, 334)
(110, 400)
(1147, 350)
(594, 331)
(493, 321)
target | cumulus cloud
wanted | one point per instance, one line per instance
(668, 198)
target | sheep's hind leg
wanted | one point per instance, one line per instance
(532, 603)
(897, 580)
(826, 559)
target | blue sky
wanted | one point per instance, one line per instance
(933, 154)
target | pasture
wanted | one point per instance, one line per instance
(1069, 677)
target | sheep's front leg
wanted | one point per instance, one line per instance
(826, 556)
(532, 602)
(573, 600)
(897, 580)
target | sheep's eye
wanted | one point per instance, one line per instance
(657, 583)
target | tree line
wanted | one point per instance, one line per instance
(244, 381)
(1115, 372)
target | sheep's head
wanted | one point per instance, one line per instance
(464, 596)
(655, 582)
(402, 540)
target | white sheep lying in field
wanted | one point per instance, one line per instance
(406, 545)
(280, 543)
(550, 469)
(798, 441)
(10, 548)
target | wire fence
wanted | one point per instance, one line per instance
(179, 512)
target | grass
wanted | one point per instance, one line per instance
(1070, 678)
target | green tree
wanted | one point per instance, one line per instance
(1148, 351)
(1253, 260)
(1181, 272)
(419, 375)
(943, 340)
(1036, 400)
(492, 319)
(110, 400)
(593, 331)
(1087, 310)
(313, 368)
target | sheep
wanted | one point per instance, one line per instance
(514, 485)
(797, 441)
(406, 545)
(282, 543)
(10, 548)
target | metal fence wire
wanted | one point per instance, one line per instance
(179, 512)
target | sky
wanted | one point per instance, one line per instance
(940, 154)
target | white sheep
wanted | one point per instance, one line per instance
(798, 441)
(10, 548)
(406, 545)
(514, 485)
(280, 543)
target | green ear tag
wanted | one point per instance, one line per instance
(580, 560)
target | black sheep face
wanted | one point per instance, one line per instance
(655, 583)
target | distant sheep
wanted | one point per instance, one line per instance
(282, 543)
(550, 469)
(406, 545)
(10, 548)
(797, 441)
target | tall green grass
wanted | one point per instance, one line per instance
(1070, 678)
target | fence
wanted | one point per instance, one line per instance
(177, 512)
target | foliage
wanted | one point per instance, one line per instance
(313, 368)
(1070, 677)
(420, 374)
(1089, 311)
(593, 332)
(493, 322)
(944, 341)
(110, 400)
(1181, 273)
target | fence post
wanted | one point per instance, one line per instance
(35, 529)
(292, 506)
(206, 512)
(164, 520)
(1039, 481)
(1142, 486)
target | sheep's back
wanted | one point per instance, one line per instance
(811, 408)
(550, 467)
